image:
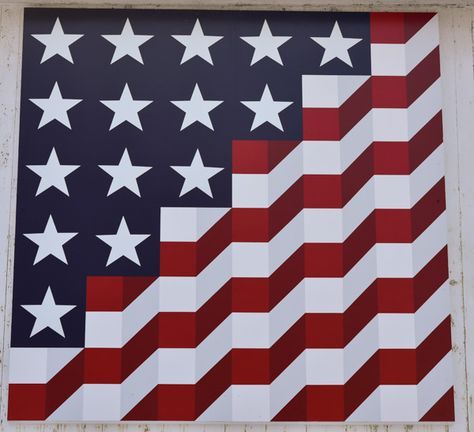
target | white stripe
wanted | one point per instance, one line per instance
(38, 365)
(324, 366)
(72, 408)
(329, 91)
(387, 403)
(407, 259)
(360, 277)
(115, 329)
(103, 330)
(434, 385)
(406, 330)
(220, 410)
(324, 295)
(186, 223)
(189, 293)
(101, 402)
(287, 312)
(335, 295)
(364, 345)
(309, 157)
(422, 43)
(388, 59)
(252, 259)
(140, 311)
(329, 225)
(285, 174)
(334, 157)
(178, 365)
(422, 110)
(251, 403)
(398, 402)
(262, 190)
(250, 191)
(401, 124)
(263, 329)
(139, 383)
(336, 366)
(401, 59)
(369, 410)
(214, 276)
(425, 176)
(432, 313)
(404, 191)
(430, 242)
(214, 348)
(250, 330)
(397, 330)
(391, 191)
(288, 384)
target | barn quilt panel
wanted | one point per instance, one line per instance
(230, 216)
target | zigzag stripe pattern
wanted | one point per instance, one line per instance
(321, 295)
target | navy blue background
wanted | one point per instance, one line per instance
(88, 210)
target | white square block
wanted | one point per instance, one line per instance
(251, 403)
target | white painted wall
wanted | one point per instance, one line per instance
(457, 63)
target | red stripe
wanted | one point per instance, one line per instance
(362, 384)
(443, 410)
(401, 91)
(335, 123)
(392, 157)
(180, 331)
(65, 383)
(27, 402)
(338, 402)
(114, 293)
(261, 367)
(382, 226)
(186, 401)
(190, 258)
(404, 157)
(336, 259)
(39, 401)
(396, 28)
(262, 224)
(250, 366)
(433, 348)
(259, 157)
(404, 225)
(335, 191)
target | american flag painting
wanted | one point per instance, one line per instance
(230, 216)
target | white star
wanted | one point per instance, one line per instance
(197, 44)
(124, 174)
(123, 243)
(126, 109)
(50, 242)
(266, 45)
(127, 43)
(336, 46)
(55, 107)
(197, 109)
(57, 42)
(48, 314)
(53, 174)
(196, 175)
(266, 110)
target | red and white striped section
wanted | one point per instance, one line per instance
(321, 295)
